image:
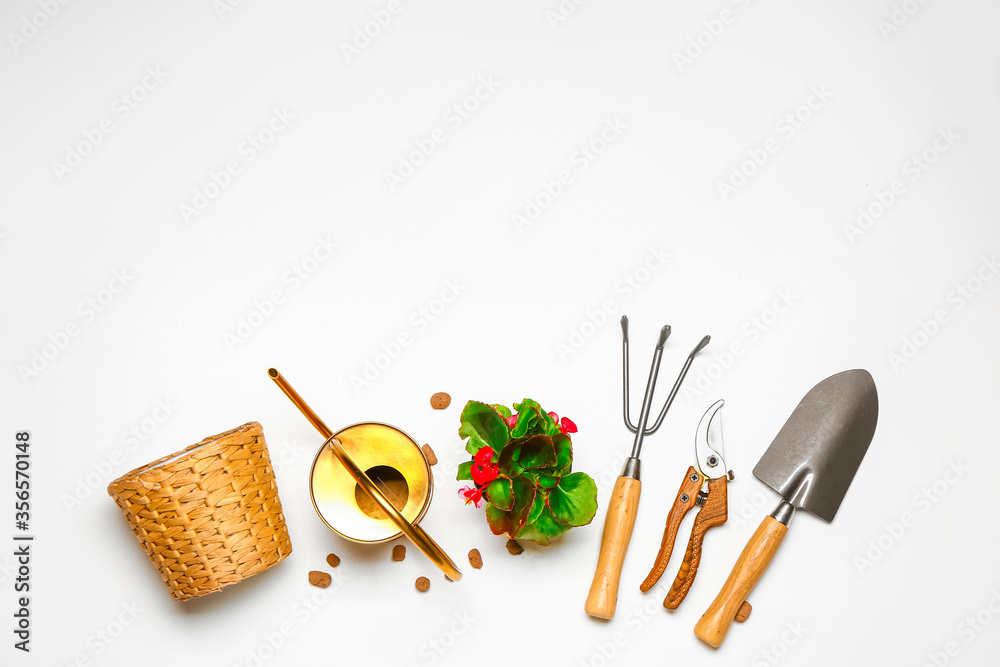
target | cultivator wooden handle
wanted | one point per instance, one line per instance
(618, 525)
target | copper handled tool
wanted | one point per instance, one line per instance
(698, 488)
(624, 503)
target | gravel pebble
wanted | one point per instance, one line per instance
(320, 579)
(432, 459)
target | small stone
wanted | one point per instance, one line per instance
(514, 548)
(475, 559)
(440, 400)
(423, 583)
(398, 552)
(333, 560)
(320, 579)
(429, 455)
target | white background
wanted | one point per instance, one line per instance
(529, 317)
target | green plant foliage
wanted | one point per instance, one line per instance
(526, 481)
(483, 426)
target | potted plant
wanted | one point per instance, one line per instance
(522, 470)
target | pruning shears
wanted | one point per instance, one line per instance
(704, 485)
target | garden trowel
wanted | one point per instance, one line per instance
(811, 464)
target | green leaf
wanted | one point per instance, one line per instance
(546, 424)
(502, 410)
(527, 423)
(533, 420)
(564, 453)
(500, 522)
(524, 497)
(526, 453)
(543, 529)
(537, 505)
(574, 501)
(464, 471)
(503, 522)
(546, 481)
(501, 493)
(483, 426)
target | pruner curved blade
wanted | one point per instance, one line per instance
(708, 448)
(705, 486)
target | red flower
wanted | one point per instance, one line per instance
(483, 469)
(566, 425)
(484, 474)
(471, 496)
(512, 420)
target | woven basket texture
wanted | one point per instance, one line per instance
(209, 515)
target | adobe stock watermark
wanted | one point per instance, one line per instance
(120, 109)
(285, 454)
(223, 8)
(751, 331)
(292, 279)
(899, 16)
(367, 32)
(624, 289)
(913, 169)
(922, 502)
(712, 29)
(957, 298)
(299, 614)
(105, 636)
(562, 12)
(786, 127)
(8, 569)
(437, 646)
(606, 479)
(551, 189)
(86, 312)
(967, 630)
(105, 469)
(779, 648)
(248, 150)
(453, 118)
(603, 651)
(420, 319)
(32, 24)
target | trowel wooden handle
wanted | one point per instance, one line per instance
(618, 526)
(756, 556)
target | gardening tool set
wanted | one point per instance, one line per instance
(810, 464)
(209, 515)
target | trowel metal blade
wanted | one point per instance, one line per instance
(812, 460)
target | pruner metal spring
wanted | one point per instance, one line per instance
(641, 430)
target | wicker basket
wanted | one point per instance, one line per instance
(209, 515)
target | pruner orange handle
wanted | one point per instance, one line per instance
(714, 511)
